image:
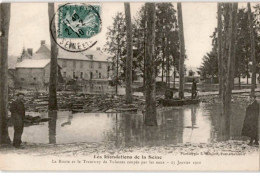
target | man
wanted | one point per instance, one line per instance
(250, 127)
(17, 110)
(194, 89)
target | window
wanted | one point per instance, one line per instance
(64, 63)
(74, 64)
(107, 74)
(99, 75)
(64, 74)
(91, 65)
(99, 65)
(34, 78)
(22, 79)
(74, 75)
(91, 75)
(81, 75)
(81, 64)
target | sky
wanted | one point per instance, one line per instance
(30, 24)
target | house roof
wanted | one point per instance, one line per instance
(97, 55)
(26, 55)
(70, 55)
(33, 63)
(44, 53)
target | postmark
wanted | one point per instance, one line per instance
(74, 26)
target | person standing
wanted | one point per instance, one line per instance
(250, 127)
(194, 89)
(17, 110)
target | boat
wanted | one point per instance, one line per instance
(178, 102)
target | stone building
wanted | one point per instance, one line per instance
(32, 73)
(33, 69)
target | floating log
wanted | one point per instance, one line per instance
(177, 102)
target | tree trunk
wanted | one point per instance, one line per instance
(182, 51)
(230, 12)
(233, 45)
(163, 65)
(220, 58)
(53, 64)
(52, 125)
(168, 65)
(224, 104)
(145, 16)
(239, 82)
(129, 63)
(252, 48)
(150, 101)
(4, 26)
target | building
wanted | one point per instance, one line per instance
(32, 73)
(33, 69)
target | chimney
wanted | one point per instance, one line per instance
(30, 51)
(42, 42)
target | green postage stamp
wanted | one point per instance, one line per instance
(78, 21)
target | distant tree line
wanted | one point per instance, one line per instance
(242, 66)
(166, 51)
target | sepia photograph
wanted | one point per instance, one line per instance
(129, 86)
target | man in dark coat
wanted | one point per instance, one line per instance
(17, 110)
(194, 89)
(250, 127)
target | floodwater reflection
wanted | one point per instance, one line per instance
(187, 124)
(52, 126)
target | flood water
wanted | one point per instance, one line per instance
(193, 123)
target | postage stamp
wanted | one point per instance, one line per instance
(75, 25)
(79, 21)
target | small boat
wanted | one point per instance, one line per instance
(178, 102)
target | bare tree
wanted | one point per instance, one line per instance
(252, 39)
(182, 51)
(129, 60)
(150, 102)
(4, 25)
(53, 64)
(233, 44)
(220, 58)
(229, 48)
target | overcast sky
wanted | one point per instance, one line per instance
(30, 24)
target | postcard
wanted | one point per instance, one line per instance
(129, 86)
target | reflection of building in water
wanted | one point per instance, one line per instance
(52, 126)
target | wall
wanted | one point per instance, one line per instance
(32, 77)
